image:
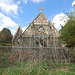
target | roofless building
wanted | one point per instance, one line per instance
(38, 37)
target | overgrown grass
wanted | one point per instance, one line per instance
(30, 68)
(4, 63)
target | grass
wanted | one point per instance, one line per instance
(4, 63)
(29, 68)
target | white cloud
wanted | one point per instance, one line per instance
(37, 1)
(51, 17)
(65, 1)
(25, 1)
(12, 6)
(60, 19)
(7, 22)
(1, 27)
(20, 9)
(19, 2)
(8, 6)
(73, 4)
(13, 31)
(34, 1)
(23, 29)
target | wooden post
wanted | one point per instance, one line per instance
(20, 50)
(32, 48)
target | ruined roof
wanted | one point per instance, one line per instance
(41, 18)
(17, 31)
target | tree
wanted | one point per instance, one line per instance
(68, 33)
(5, 37)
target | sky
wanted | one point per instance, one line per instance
(23, 12)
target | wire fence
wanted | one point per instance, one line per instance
(51, 57)
(66, 55)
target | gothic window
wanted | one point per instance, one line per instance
(42, 40)
(45, 34)
(50, 27)
(41, 34)
(41, 29)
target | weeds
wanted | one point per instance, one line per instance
(30, 68)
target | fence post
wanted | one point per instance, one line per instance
(20, 49)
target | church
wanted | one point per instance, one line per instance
(39, 34)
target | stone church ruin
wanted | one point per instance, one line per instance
(39, 41)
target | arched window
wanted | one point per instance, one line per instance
(41, 29)
(41, 40)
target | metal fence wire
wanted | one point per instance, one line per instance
(14, 56)
(55, 55)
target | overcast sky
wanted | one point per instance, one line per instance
(23, 12)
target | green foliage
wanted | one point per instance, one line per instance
(30, 68)
(68, 33)
(71, 14)
(5, 37)
(27, 68)
(4, 63)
